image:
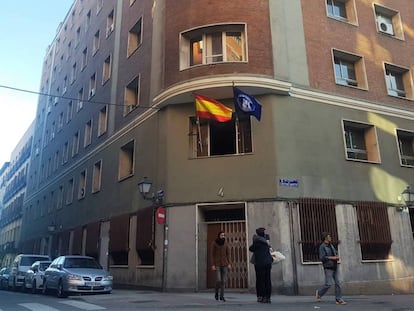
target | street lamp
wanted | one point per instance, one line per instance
(407, 196)
(144, 187)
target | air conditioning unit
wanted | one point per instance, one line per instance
(385, 25)
(56, 100)
(65, 89)
(92, 92)
(37, 151)
(48, 109)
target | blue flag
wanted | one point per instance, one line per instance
(246, 104)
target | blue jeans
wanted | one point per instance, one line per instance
(221, 277)
(331, 278)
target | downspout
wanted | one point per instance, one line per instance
(291, 206)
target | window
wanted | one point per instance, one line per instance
(60, 122)
(88, 134)
(126, 160)
(103, 120)
(78, 34)
(65, 153)
(99, 6)
(214, 44)
(88, 20)
(131, 96)
(69, 192)
(92, 85)
(388, 22)
(349, 69)
(406, 147)
(145, 241)
(211, 138)
(95, 42)
(336, 8)
(374, 230)
(361, 142)
(398, 81)
(119, 240)
(69, 112)
(65, 86)
(316, 216)
(134, 37)
(96, 177)
(75, 144)
(84, 58)
(110, 23)
(80, 100)
(106, 70)
(59, 199)
(82, 185)
(73, 74)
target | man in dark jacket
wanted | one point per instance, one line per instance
(329, 257)
(262, 265)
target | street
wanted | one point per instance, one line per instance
(151, 300)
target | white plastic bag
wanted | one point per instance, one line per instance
(277, 256)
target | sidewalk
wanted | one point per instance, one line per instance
(152, 300)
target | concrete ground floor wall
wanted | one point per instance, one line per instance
(182, 251)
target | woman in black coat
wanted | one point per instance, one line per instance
(262, 265)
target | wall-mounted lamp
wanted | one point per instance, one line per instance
(144, 187)
(51, 228)
(407, 196)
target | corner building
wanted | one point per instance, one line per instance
(333, 150)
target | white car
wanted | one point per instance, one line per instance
(19, 266)
(35, 275)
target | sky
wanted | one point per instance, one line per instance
(27, 27)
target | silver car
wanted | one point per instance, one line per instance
(35, 275)
(76, 274)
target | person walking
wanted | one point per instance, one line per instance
(262, 265)
(220, 260)
(329, 257)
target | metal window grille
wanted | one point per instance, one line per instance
(316, 216)
(374, 230)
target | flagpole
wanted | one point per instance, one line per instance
(199, 135)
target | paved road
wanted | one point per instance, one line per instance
(148, 300)
(128, 300)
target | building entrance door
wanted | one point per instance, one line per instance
(236, 238)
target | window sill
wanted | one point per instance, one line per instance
(364, 161)
(145, 267)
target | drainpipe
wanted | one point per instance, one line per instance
(291, 205)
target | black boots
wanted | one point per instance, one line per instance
(222, 299)
(216, 296)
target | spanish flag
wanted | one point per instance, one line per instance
(208, 108)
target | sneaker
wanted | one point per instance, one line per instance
(340, 302)
(317, 297)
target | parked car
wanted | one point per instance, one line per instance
(35, 275)
(76, 274)
(4, 277)
(20, 265)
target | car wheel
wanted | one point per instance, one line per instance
(34, 289)
(60, 292)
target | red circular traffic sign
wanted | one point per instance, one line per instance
(160, 215)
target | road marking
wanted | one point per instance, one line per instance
(82, 305)
(37, 307)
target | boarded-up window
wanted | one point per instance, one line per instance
(77, 241)
(316, 216)
(64, 246)
(145, 235)
(119, 240)
(92, 240)
(374, 230)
